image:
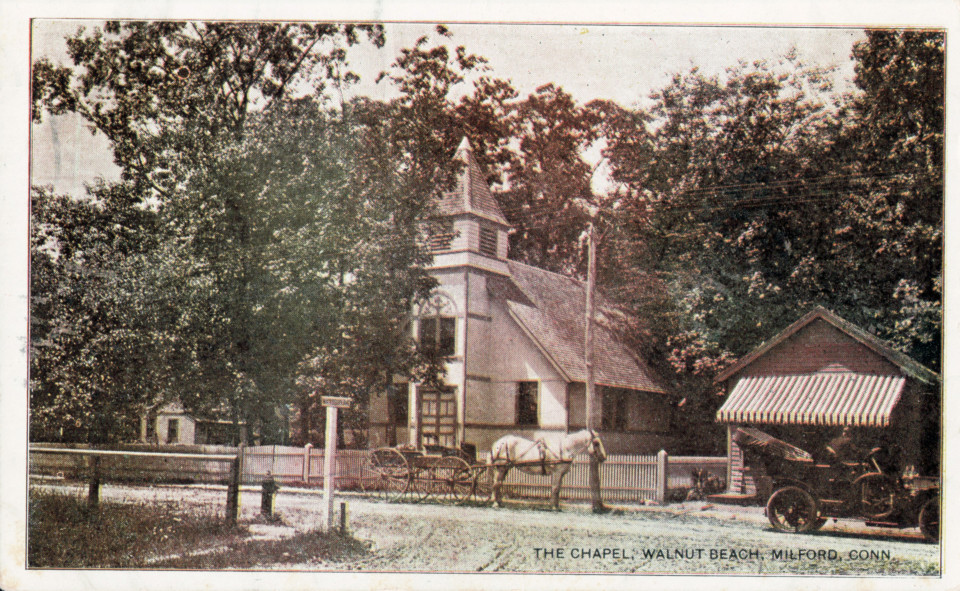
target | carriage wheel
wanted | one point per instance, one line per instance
(878, 496)
(423, 483)
(389, 474)
(396, 487)
(929, 520)
(456, 476)
(371, 479)
(792, 509)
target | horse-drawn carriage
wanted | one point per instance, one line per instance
(801, 491)
(402, 472)
(397, 473)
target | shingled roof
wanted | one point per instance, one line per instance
(551, 309)
(471, 195)
(906, 364)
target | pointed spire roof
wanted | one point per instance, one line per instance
(471, 195)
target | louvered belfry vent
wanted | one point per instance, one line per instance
(441, 235)
(488, 242)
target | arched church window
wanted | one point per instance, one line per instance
(438, 326)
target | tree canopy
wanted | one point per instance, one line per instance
(165, 94)
(90, 369)
(264, 244)
(753, 196)
(892, 146)
(286, 247)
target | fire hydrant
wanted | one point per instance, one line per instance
(270, 488)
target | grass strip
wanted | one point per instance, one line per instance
(64, 532)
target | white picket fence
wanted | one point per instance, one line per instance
(301, 465)
(627, 478)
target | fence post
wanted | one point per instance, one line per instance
(662, 465)
(93, 492)
(233, 488)
(242, 453)
(306, 463)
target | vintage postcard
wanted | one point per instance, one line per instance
(422, 298)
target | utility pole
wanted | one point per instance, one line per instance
(589, 314)
(593, 412)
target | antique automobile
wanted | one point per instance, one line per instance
(801, 491)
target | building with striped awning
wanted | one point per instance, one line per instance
(836, 399)
(821, 374)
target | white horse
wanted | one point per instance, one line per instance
(548, 455)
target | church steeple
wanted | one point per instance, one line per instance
(470, 229)
(471, 195)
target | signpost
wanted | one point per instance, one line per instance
(333, 403)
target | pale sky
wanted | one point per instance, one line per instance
(624, 63)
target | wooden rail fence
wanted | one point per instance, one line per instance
(97, 466)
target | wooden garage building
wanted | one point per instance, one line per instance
(821, 374)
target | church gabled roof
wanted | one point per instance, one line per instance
(471, 195)
(551, 310)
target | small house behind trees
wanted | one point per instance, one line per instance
(170, 424)
(822, 374)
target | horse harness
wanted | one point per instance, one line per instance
(542, 450)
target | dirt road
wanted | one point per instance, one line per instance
(679, 540)
(688, 538)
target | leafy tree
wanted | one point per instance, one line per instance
(165, 94)
(304, 264)
(753, 196)
(176, 101)
(405, 160)
(725, 202)
(891, 147)
(425, 121)
(288, 250)
(545, 177)
(89, 368)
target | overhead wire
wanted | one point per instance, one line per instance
(814, 189)
(540, 214)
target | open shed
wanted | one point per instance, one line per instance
(822, 374)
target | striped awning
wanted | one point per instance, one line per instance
(857, 400)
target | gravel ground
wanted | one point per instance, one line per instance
(688, 538)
